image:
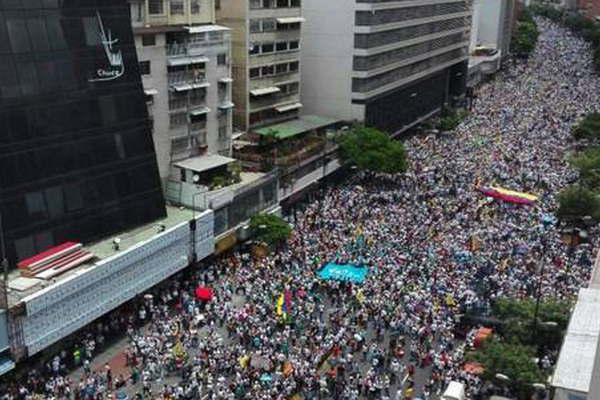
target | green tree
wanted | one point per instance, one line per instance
(512, 360)
(596, 58)
(577, 201)
(589, 127)
(524, 38)
(372, 150)
(450, 119)
(270, 229)
(588, 165)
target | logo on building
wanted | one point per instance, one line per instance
(115, 68)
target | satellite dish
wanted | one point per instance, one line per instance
(196, 178)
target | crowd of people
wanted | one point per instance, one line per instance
(391, 337)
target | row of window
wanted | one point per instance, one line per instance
(273, 70)
(176, 7)
(273, 47)
(270, 115)
(179, 119)
(271, 25)
(146, 68)
(258, 4)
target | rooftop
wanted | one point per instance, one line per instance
(101, 249)
(576, 360)
(302, 124)
(204, 163)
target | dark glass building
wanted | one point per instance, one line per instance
(77, 159)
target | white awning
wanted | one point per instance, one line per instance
(226, 106)
(200, 111)
(204, 163)
(226, 80)
(264, 91)
(179, 61)
(206, 28)
(288, 107)
(150, 92)
(290, 20)
(181, 87)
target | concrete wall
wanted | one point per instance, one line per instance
(475, 25)
(490, 23)
(59, 310)
(326, 58)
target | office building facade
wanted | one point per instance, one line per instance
(386, 63)
(266, 59)
(77, 159)
(185, 62)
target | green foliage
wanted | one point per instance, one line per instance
(270, 229)
(372, 150)
(514, 361)
(577, 201)
(596, 58)
(525, 37)
(588, 165)
(547, 11)
(218, 182)
(589, 127)
(451, 119)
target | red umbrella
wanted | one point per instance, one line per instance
(204, 293)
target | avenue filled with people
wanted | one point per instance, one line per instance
(275, 330)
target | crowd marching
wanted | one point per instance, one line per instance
(391, 337)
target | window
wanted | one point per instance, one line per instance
(254, 73)
(36, 205)
(268, 70)
(222, 59)
(267, 3)
(294, 66)
(56, 204)
(294, 45)
(39, 37)
(254, 49)
(73, 197)
(269, 25)
(255, 4)
(176, 120)
(156, 7)
(282, 46)
(217, 4)
(254, 25)
(182, 174)
(91, 31)
(282, 3)
(176, 7)
(281, 68)
(17, 33)
(119, 146)
(138, 12)
(195, 6)
(24, 247)
(267, 48)
(148, 40)
(294, 3)
(145, 67)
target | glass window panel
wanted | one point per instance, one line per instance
(56, 36)
(27, 78)
(24, 247)
(36, 206)
(37, 32)
(17, 33)
(43, 241)
(176, 7)
(9, 84)
(73, 197)
(56, 204)
(195, 6)
(91, 29)
(4, 41)
(119, 145)
(156, 7)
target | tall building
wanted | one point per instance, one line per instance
(77, 160)
(266, 59)
(185, 62)
(590, 8)
(386, 63)
(492, 25)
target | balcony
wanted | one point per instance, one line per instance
(190, 77)
(270, 101)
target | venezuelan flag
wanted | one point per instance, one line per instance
(509, 196)
(279, 305)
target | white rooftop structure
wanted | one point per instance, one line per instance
(575, 364)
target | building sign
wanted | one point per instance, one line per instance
(115, 67)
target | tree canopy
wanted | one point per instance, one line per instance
(270, 229)
(514, 361)
(588, 128)
(588, 165)
(525, 35)
(578, 201)
(372, 150)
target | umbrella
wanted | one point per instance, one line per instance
(204, 293)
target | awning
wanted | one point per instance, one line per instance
(175, 62)
(297, 126)
(6, 364)
(290, 20)
(150, 92)
(264, 91)
(182, 87)
(204, 163)
(206, 28)
(200, 111)
(226, 80)
(288, 107)
(226, 106)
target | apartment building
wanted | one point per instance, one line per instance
(387, 63)
(492, 24)
(185, 62)
(266, 59)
